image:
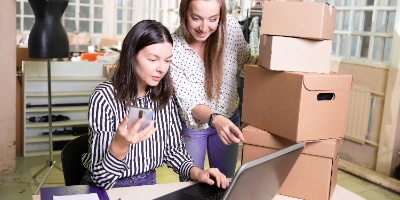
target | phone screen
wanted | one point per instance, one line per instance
(135, 113)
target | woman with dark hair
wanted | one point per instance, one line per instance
(209, 49)
(121, 155)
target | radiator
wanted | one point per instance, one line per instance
(358, 114)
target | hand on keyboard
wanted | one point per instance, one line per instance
(213, 176)
(204, 176)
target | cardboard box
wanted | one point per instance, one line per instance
(23, 55)
(314, 174)
(294, 105)
(295, 54)
(108, 71)
(312, 20)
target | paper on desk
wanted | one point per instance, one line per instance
(91, 196)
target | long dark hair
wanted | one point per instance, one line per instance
(125, 79)
(213, 51)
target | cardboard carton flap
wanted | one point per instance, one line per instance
(327, 82)
(328, 148)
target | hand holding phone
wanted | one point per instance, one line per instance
(135, 113)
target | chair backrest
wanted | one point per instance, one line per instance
(71, 158)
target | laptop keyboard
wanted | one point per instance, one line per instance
(198, 191)
(214, 194)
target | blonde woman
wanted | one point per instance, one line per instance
(209, 48)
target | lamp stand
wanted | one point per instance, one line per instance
(51, 162)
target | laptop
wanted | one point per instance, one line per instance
(257, 179)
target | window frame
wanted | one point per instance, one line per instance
(167, 12)
(350, 33)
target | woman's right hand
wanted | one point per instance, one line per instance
(211, 176)
(127, 135)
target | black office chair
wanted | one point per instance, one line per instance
(71, 158)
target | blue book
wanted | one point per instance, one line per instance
(48, 193)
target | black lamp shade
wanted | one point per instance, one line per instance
(48, 38)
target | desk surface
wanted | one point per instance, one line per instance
(154, 191)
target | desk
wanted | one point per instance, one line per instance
(154, 191)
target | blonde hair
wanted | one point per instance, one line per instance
(213, 51)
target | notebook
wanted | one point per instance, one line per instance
(257, 179)
(50, 192)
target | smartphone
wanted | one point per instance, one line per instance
(135, 113)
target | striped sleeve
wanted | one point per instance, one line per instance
(176, 155)
(105, 168)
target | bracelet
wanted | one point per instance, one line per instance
(210, 124)
(117, 154)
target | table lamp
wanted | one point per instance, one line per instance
(48, 40)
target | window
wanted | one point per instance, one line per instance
(364, 29)
(124, 16)
(104, 17)
(25, 16)
(84, 16)
(79, 16)
(129, 12)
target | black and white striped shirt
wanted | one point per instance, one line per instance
(165, 145)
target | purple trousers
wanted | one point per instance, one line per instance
(221, 156)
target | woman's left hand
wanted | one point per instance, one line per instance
(227, 130)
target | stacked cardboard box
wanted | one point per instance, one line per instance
(313, 176)
(296, 36)
(291, 96)
(294, 105)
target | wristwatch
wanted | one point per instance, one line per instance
(211, 119)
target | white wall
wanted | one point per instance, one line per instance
(7, 87)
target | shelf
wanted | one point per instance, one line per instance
(45, 138)
(59, 94)
(40, 153)
(72, 85)
(56, 124)
(57, 109)
(67, 78)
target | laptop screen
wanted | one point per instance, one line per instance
(257, 179)
(261, 178)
